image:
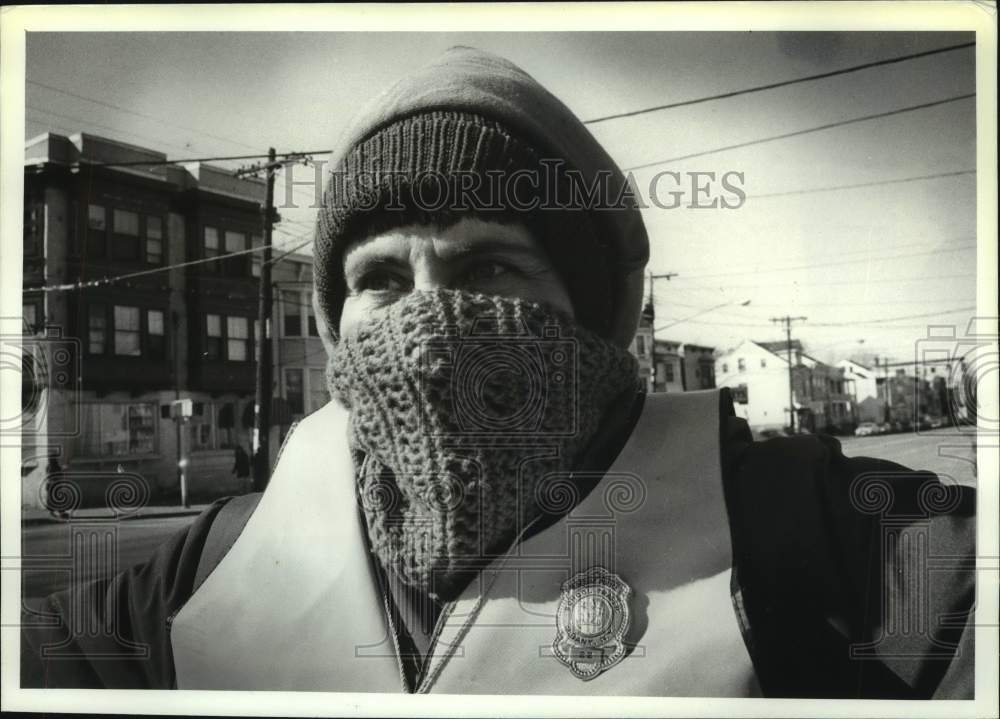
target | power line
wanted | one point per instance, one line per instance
(808, 130)
(854, 186)
(118, 278)
(774, 85)
(893, 319)
(821, 265)
(295, 249)
(837, 253)
(91, 123)
(137, 114)
(159, 142)
(838, 283)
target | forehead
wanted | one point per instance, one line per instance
(466, 237)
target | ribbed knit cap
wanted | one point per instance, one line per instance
(475, 114)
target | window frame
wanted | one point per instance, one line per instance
(124, 239)
(209, 338)
(208, 252)
(245, 339)
(137, 331)
(235, 266)
(150, 350)
(295, 304)
(147, 238)
(150, 438)
(98, 310)
(302, 390)
(95, 241)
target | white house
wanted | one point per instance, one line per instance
(759, 379)
(865, 388)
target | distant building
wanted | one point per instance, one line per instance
(699, 367)
(668, 364)
(642, 348)
(299, 356)
(757, 372)
(864, 386)
(135, 345)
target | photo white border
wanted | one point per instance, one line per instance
(757, 16)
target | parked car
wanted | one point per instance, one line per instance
(866, 428)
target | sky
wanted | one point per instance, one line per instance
(870, 267)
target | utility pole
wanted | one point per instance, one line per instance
(264, 379)
(652, 281)
(787, 321)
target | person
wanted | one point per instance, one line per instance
(241, 466)
(492, 503)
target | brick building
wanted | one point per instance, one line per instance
(160, 333)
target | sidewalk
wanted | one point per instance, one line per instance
(34, 515)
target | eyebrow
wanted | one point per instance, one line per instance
(370, 263)
(461, 250)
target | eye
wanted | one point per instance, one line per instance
(382, 280)
(486, 270)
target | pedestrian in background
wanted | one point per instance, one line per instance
(241, 468)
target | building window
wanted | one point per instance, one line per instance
(763, 362)
(226, 426)
(237, 339)
(127, 331)
(669, 367)
(29, 317)
(200, 427)
(97, 329)
(725, 368)
(97, 231)
(236, 242)
(257, 258)
(213, 337)
(318, 395)
(117, 429)
(211, 248)
(156, 336)
(294, 391)
(125, 242)
(154, 240)
(34, 228)
(292, 314)
(741, 365)
(311, 317)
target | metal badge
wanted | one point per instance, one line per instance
(591, 622)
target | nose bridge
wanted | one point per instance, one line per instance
(430, 270)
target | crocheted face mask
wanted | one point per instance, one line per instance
(461, 405)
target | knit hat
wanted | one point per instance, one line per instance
(471, 119)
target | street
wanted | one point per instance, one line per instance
(46, 546)
(942, 451)
(46, 554)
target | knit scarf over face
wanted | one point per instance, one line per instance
(463, 407)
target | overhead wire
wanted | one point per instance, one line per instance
(859, 185)
(805, 131)
(822, 265)
(141, 273)
(780, 83)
